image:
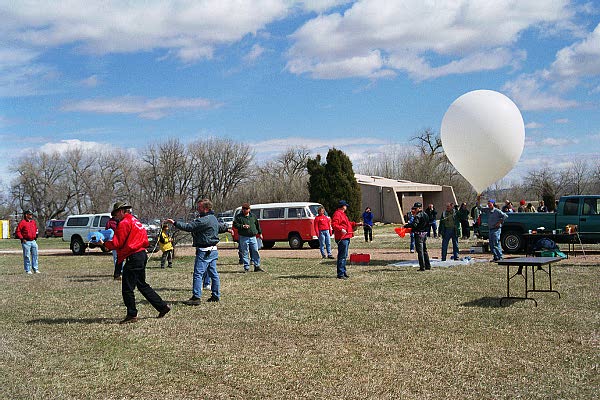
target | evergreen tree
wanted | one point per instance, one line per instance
(334, 181)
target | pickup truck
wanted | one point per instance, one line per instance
(581, 210)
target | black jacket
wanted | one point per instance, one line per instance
(420, 222)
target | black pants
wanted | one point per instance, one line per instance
(466, 231)
(421, 247)
(368, 233)
(134, 275)
(167, 258)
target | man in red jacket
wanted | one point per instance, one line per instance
(27, 231)
(343, 230)
(130, 241)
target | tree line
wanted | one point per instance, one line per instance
(167, 179)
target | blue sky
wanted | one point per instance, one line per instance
(357, 75)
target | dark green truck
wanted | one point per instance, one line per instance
(583, 211)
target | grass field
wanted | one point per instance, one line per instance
(296, 332)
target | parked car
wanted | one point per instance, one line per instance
(228, 221)
(285, 222)
(54, 228)
(77, 228)
(583, 211)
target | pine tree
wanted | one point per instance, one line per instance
(334, 181)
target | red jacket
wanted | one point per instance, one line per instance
(130, 238)
(340, 221)
(322, 223)
(27, 230)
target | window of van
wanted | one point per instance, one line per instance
(104, 220)
(314, 209)
(571, 207)
(78, 221)
(296, 212)
(272, 213)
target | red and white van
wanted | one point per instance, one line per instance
(285, 222)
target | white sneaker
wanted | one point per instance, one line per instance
(207, 287)
(29, 273)
(37, 271)
(412, 251)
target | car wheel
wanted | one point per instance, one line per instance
(296, 241)
(77, 246)
(512, 241)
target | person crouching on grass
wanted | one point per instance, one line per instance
(130, 241)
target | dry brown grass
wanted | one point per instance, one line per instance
(296, 332)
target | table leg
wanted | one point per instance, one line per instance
(508, 279)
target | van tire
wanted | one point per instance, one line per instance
(314, 244)
(296, 241)
(77, 246)
(268, 244)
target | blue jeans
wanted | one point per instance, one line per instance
(412, 242)
(325, 242)
(206, 261)
(343, 246)
(495, 243)
(30, 255)
(247, 245)
(432, 225)
(446, 236)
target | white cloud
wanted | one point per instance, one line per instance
(562, 121)
(282, 144)
(530, 92)
(322, 5)
(71, 144)
(145, 108)
(558, 141)
(533, 125)
(91, 81)
(190, 30)
(255, 52)
(456, 33)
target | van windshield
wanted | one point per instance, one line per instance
(314, 209)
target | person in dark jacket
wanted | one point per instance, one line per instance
(463, 217)
(205, 234)
(367, 218)
(248, 229)
(432, 215)
(420, 227)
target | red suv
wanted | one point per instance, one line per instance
(54, 228)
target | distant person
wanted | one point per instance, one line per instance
(27, 232)
(506, 206)
(248, 229)
(496, 218)
(367, 218)
(475, 213)
(530, 208)
(521, 206)
(205, 235)
(420, 227)
(343, 231)
(131, 241)
(118, 267)
(432, 215)
(165, 243)
(463, 217)
(542, 207)
(409, 217)
(449, 231)
(323, 229)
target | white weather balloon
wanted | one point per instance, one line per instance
(483, 136)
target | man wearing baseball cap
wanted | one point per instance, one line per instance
(27, 232)
(131, 240)
(420, 227)
(496, 218)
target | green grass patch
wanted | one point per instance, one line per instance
(296, 332)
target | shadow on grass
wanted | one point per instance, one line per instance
(56, 321)
(75, 277)
(491, 302)
(304, 276)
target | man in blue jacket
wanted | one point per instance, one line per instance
(205, 233)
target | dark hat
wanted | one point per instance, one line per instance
(119, 205)
(343, 203)
(27, 212)
(417, 205)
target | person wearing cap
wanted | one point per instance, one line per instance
(130, 241)
(112, 224)
(343, 231)
(420, 227)
(248, 229)
(205, 234)
(27, 232)
(521, 206)
(165, 243)
(496, 218)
